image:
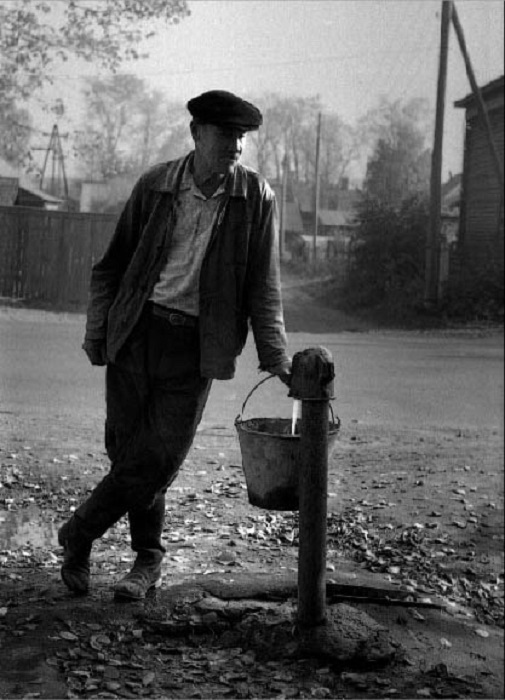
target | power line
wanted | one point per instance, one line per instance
(420, 48)
(392, 67)
(190, 71)
(415, 68)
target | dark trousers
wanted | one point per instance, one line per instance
(155, 399)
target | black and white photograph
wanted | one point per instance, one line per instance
(251, 349)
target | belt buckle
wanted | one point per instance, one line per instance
(176, 319)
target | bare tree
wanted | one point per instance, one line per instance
(125, 125)
(176, 140)
(36, 36)
(289, 130)
(399, 165)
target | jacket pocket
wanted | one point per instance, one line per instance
(223, 326)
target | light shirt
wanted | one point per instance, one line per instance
(179, 281)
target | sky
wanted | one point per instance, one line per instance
(348, 52)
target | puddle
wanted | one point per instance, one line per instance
(27, 527)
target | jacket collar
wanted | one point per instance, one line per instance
(167, 179)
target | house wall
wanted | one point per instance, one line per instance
(28, 199)
(482, 215)
(8, 190)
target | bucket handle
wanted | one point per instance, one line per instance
(335, 419)
(238, 419)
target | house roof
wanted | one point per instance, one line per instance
(321, 240)
(305, 198)
(454, 182)
(293, 219)
(345, 200)
(488, 91)
(332, 217)
(14, 180)
(349, 199)
(452, 198)
(40, 194)
(451, 192)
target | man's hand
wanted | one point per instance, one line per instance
(285, 378)
(96, 352)
(283, 372)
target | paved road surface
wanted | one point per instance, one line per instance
(404, 379)
(405, 464)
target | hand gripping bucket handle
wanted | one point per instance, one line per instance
(335, 419)
(270, 458)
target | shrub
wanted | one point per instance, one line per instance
(387, 271)
(475, 294)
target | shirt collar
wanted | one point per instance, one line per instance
(166, 181)
(187, 178)
(188, 183)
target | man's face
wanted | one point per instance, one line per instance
(219, 147)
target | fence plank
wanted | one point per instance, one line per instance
(46, 256)
(7, 247)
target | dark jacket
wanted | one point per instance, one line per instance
(239, 280)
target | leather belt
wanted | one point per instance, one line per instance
(173, 316)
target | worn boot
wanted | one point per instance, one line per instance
(145, 574)
(93, 517)
(77, 550)
(146, 527)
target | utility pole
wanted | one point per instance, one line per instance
(282, 240)
(57, 165)
(316, 187)
(435, 225)
(147, 134)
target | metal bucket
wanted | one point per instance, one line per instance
(271, 458)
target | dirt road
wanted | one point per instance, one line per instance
(416, 499)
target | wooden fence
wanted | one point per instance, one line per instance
(46, 256)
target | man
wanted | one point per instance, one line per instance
(193, 261)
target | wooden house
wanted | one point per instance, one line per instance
(481, 213)
(16, 189)
(29, 196)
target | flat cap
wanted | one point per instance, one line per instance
(225, 109)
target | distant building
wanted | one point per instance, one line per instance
(481, 212)
(332, 222)
(33, 197)
(451, 194)
(451, 203)
(17, 189)
(108, 196)
(9, 183)
(335, 222)
(8, 190)
(292, 225)
(336, 216)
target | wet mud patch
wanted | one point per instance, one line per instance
(183, 642)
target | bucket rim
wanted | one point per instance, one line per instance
(240, 424)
